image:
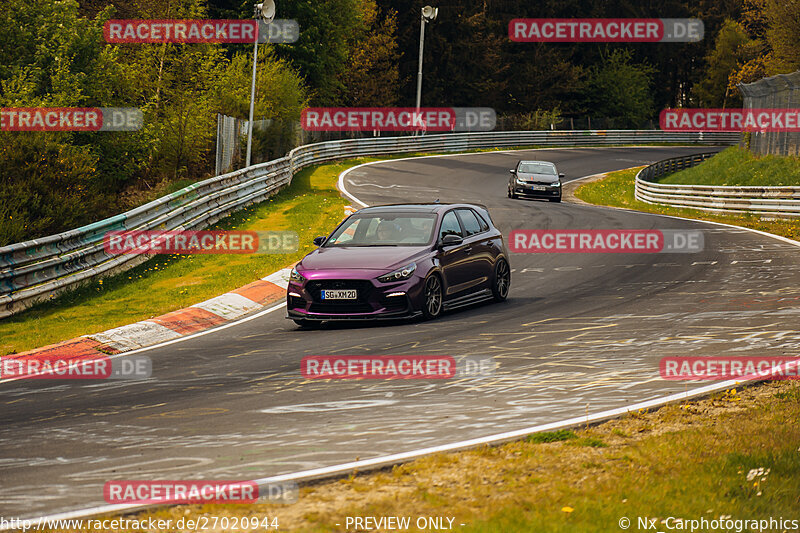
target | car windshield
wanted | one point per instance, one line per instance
(385, 229)
(537, 168)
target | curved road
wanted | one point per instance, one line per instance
(580, 332)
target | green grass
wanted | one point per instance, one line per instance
(591, 442)
(311, 206)
(552, 436)
(690, 461)
(791, 394)
(616, 190)
(738, 166)
(691, 472)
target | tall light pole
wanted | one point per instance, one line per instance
(428, 15)
(265, 12)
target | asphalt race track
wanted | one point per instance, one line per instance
(580, 333)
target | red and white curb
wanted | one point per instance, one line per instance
(199, 317)
(203, 316)
(494, 439)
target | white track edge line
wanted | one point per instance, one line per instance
(178, 339)
(491, 439)
(387, 460)
(352, 197)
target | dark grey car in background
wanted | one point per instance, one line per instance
(535, 179)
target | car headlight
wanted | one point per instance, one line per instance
(520, 181)
(556, 184)
(399, 274)
(296, 276)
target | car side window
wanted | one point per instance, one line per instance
(470, 221)
(483, 223)
(450, 225)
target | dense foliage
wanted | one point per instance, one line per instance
(54, 54)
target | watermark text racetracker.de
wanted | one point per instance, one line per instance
(210, 31)
(147, 492)
(38, 366)
(396, 367)
(723, 368)
(71, 119)
(723, 523)
(606, 241)
(616, 30)
(200, 242)
(428, 119)
(730, 120)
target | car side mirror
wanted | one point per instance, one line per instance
(451, 240)
(512, 171)
(319, 241)
(561, 175)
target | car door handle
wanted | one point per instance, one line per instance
(468, 249)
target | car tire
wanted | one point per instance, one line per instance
(307, 324)
(432, 294)
(502, 280)
(555, 199)
(512, 194)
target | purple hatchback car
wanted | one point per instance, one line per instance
(398, 261)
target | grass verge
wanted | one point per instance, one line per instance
(739, 167)
(698, 459)
(311, 206)
(616, 190)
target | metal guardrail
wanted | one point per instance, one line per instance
(38, 269)
(782, 201)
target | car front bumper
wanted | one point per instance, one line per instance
(528, 190)
(376, 300)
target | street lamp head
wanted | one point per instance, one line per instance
(429, 13)
(266, 11)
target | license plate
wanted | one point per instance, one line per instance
(538, 188)
(339, 294)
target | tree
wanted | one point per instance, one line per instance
(783, 35)
(773, 42)
(733, 48)
(371, 77)
(46, 185)
(52, 54)
(280, 97)
(621, 89)
(321, 53)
